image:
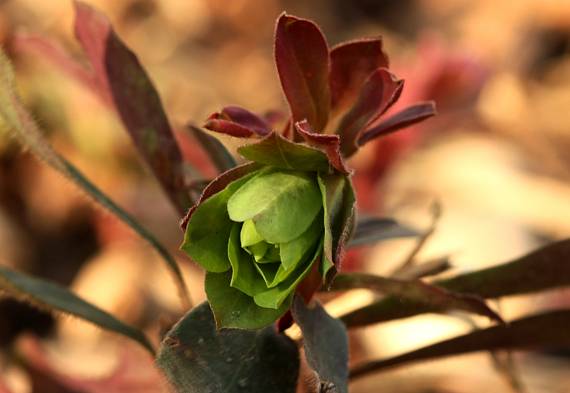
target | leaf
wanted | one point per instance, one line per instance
(219, 155)
(329, 144)
(19, 123)
(351, 64)
(234, 309)
(281, 204)
(293, 252)
(326, 344)
(208, 229)
(433, 297)
(239, 122)
(279, 152)
(244, 276)
(547, 330)
(197, 358)
(124, 83)
(402, 119)
(545, 268)
(302, 58)
(332, 190)
(370, 230)
(378, 93)
(49, 296)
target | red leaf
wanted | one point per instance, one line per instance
(218, 184)
(125, 84)
(302, 58)
(351, 64)
(406, 117)
(238, 122)
(330, 144)
(379, 92)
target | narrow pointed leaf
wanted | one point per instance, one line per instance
(302, 58)
(326, 344)
(218, 154)
(19, 123)
(125, 84)
(52, 297)
(234, 309)
(545, 268)
(197, 358)
(436, 298)
(238, 122)
(405, 118)
(279, 152)
(329, 144)
(370, 230)
(547, 330)
(351, 64)
(379, 92)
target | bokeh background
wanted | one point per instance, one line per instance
(496, 159)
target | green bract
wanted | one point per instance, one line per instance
(261, 229)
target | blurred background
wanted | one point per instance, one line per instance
(496, 158)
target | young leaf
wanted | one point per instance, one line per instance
(239, 122)
(351, 64)
(370, 230)
(125, 84)
(547, 330)
(19, 123)
(197, 358)
(326, 344)
(405, 118)
(244, 276)
(545, 268)
(279, 152)
(302, 58)
(433, 297)
(329, 144)
(52, 297)
(217, 153)
(234, 309)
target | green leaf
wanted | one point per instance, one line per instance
(547, 330)
(19, 123)
(244, 276)
(282, 204)
(276, 296)
(274, 150)
(291, 253)
(208, 230)
(259, 250)
(197, 358)
(52, 297)
(234, 309)
(249, 235)
(268, 272)
(326, 344)
(545, 268)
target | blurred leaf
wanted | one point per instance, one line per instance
(197, 358)
(548, 330)
(239, 122)
(277, 151)
(52, 297)
(219, 155)
(302, 58)
(378, 93)
(404, 118)
(326, 344)
(545, 268)
(432, 297)
(19, 123)
(424, 269)
(351, 64)
(370, 230)
(124, 83)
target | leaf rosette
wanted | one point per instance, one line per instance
(269, 228)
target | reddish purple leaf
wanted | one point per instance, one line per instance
(302, 58)
(228, 127)
(218, 184)
(378, 93)
(548, 330)
(125, 84)
(328, 143)
(406, 117)
(238, 122)
(351, 64)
